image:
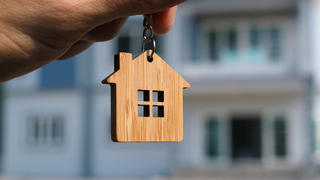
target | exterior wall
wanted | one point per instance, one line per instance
(28, 82)
(194, 15)
(23, 159)
(102, 57)
(198, 109)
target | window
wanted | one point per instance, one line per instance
(158, 111)
(58, 74)
(144, 110)
(213, 46)
(158, 96)
(144, 103)
(45, 130)
(223, 45)
(143, 95)
(254, 38)
(275, 49)
(212, 137)
(232, 40)
(243, 40)
(255, 43)
(257, 51)
(280, 136)
(265, 43)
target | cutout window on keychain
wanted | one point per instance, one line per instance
(146, 96)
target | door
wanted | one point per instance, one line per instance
(246, 137)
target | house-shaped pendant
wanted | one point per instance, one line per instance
(146, 100)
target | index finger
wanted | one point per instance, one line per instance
(102, 11)
(164, 20)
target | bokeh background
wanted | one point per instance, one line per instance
(252, 111)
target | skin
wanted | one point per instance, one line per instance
(35, 32)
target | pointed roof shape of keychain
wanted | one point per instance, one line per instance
(146, 96)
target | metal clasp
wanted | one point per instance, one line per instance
(148, 36)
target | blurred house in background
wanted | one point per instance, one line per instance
(254, 96)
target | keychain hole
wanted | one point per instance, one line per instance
(150, 58)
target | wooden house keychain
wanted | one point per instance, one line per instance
(146, 96)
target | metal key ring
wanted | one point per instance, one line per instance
(148, 36)
(148, 33)
(145, 41)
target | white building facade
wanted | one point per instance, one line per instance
(253, 101)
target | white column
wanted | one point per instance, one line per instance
(314, 39)
(314, 44)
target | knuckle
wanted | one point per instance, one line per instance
(62, 21)
(153, 5)
(135, 6)
(67, 15)
(145, 4)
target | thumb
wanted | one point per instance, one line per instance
(101, 11)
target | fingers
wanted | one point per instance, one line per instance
(101, 11)
(164, 20)
(106, 31)
(109, 16)
(76, 49)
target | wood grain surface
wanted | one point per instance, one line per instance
(132, 77)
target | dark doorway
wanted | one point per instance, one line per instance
(246, 137)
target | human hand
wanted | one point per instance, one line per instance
(36, 32)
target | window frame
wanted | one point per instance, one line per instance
(243, 26)
(151, 103)
(218, 138)
(223, 136)
(283, 118)
(45, 130)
